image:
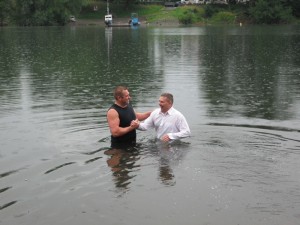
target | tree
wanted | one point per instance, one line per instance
(294, 4)
(232, 2)
(270, 11)
(45, 12)
(4, 11)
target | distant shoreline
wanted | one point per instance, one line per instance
(99, 22)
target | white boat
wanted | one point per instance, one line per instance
(108, 17)
(108, 20)
(72, 19)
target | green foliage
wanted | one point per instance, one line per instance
(4, 11)
(188, 17)
(43, 12)
(270, 12)
(189, 14)
(159, 14)
(295, 6)
(119, 10)
(57, 12)
(146, 10)
(224, 17)
(209, 11)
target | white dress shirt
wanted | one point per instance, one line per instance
(172, 123)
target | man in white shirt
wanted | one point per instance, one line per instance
(168, 122)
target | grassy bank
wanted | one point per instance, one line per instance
(187, 14)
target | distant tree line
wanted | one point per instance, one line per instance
(270, 11)
(274, 11)
(39, 12)
(57, 12)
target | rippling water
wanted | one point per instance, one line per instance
(237, 86)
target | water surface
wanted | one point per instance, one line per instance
(237, 86)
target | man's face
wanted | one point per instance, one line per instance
(164, 104)
(124, 100)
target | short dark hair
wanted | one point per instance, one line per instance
(118, 92)
(169, 96)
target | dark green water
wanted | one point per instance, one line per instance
(239, 88)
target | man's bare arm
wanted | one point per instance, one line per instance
(142, 116)
(113, 123)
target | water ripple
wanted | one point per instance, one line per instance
(5, 174)
(256, 126)
(96, 151)
(92, 160)
(58, 167)
(7, 204)
(5, 189)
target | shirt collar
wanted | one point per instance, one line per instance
(169, 112)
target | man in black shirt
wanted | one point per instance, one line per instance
(119, 118)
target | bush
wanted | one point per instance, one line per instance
(224, 17)
(209, 11)
(189, 14)
(188, 17)
(270, 12)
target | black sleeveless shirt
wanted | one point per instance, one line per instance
(126, 115)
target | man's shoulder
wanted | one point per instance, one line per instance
(155, 111)
(111, 108)
(172, 110)
(111, 111)
(114, 109)
(175, 112)
(117, 107)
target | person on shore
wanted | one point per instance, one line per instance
(120, 117)
(169, 123)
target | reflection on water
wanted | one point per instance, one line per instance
(169, 157)
(238, 87)
(126, 163)
(123, 164)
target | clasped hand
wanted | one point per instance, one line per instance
(135, 123)
(165, 138)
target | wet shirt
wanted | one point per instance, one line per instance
(172, 123)
(126, 115)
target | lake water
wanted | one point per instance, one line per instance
(238, 87)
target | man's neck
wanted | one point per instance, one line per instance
(165, 112)
(122, 106)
